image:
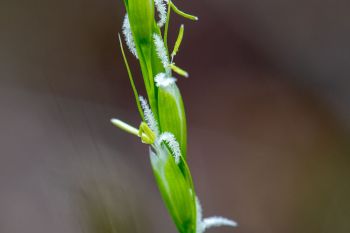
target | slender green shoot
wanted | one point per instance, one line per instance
(131, 78)
(166, 29)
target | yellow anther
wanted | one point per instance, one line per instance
(178, 70)
(146, 134)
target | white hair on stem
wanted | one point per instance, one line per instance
(162, 80)
(161, 52)
(129, 40)
(149, 117)
(216, 221)
(170, 139)
(161, 6)
(199, 226)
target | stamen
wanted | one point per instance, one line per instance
(178, 41)
(183, 14)
(146, 134)
(124, 126)
(178, 70)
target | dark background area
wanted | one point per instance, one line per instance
(268, 113)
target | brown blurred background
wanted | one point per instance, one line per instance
(268, 114)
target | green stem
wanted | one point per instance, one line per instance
(131, 79)
(166, 29)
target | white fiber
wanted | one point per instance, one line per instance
(149, 117)
(162, 11)
(215, 221)
(162, 80)
(170, 139)
(161, 51)
(129, 40)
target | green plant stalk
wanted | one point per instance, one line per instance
(163, 125)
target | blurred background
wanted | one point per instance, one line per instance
(268, 106)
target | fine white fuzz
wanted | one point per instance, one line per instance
(199, 213)
(216, 221)
(149, 117)
(162, 10)
(162, 80)
(172, 143)
(161, 51)
(128, 36)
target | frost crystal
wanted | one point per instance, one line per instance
(162, 80)
(128, 36)
(162, 10)
(161, 51)
(216, 221)
(172, 143)
(149, 117)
